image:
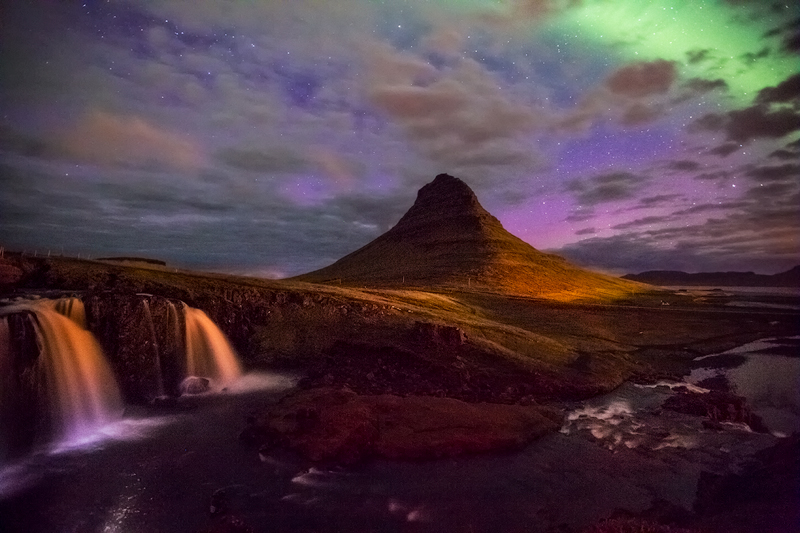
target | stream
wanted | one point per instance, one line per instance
(157, 469)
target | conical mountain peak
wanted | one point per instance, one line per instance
(447, 239)
(445, 201)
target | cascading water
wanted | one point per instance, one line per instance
(208, 352)
(69, 379)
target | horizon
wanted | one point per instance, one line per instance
(271, 139)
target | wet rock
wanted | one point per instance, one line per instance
(717, 406)
(195, 385)
(341, 426)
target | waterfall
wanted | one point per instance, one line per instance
(208, 352)
(70, 379)
(71, 308)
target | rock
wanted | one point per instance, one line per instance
(450, 336)
(195, 385)
(9, 274)
(335, 425)
(765, 496)
(717, 406)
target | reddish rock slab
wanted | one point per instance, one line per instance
(336, 425)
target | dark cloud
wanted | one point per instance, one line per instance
(684, 165)
(659, 199)
(263, 161)
(645, 221)
(745, 125)
(586, 231)
(786, 91)
(643, 79)
(734, 242)
(724, 150)
(775, 173)
(697, 56)
(752, 57)
(783, 154)
(640, 114)
(791, 43)
(700, 85)
(710, 207)
(606, 188)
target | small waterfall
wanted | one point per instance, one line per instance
(156, 351)
(71, 308)
(69, 379)
(208, 352)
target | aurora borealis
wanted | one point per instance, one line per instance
(273, 137)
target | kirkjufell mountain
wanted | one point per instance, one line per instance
(447, 239)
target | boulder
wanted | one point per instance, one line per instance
(195, 385)
(338, 425)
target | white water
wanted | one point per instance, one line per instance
(208, 352)
(81, 391)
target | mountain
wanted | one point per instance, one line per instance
(790, 278)
(447, 239)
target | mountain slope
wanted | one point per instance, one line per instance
(447, 239)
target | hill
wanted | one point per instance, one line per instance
(447, 239)
(790, 278)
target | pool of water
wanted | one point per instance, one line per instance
(769, 378)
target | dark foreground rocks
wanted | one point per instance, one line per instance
(717, 406)
(340, 426)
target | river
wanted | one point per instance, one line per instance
(157, 469)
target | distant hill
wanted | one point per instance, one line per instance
(790, 278)
(133, 260)
(448, 239)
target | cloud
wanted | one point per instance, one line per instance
(724, 150)
(276, 160)
(126, 140)
(630, 95)
(586, 231)
(698, 56)
(340, 170)
(457, 116)
(645, 221)
(684, 165)
(643, 79)
(786, 91)
(657, 200)
(750, 123)
(775, 173)
(606, 188)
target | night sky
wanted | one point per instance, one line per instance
(271, 138)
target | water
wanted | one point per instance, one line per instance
(70, 381)
(768, 379)
(157, 469)
(208, 352)
(62, 390)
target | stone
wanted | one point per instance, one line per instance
(195, 385)
(340, 426)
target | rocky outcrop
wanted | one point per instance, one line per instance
(9, 273)
(717, 406)
(338, 425)
(765, 496)
(142, 337)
